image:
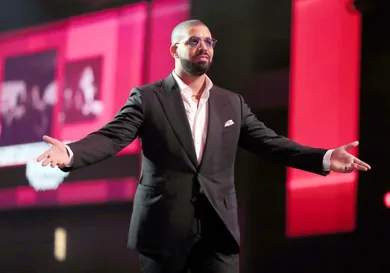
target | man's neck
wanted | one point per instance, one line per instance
(196, 83)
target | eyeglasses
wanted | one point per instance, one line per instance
(195, 41)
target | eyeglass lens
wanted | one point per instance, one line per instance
(195, 41)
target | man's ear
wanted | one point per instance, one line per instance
(173, 50)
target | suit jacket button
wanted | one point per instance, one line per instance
(193, 200)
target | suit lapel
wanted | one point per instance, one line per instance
(172, 103)
(217, 114)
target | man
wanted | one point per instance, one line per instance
(185, 210)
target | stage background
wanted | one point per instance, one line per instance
(342, 223)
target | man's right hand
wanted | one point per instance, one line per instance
(57, 155)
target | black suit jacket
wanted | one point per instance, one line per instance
(163, 211)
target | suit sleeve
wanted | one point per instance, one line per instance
(111, 138)
(261, 140)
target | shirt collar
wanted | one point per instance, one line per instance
(186, 90)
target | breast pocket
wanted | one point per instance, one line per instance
(230, 135)
(228, 128)
(229, 143)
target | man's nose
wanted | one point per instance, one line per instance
(203, 45)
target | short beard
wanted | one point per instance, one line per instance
(195, 69)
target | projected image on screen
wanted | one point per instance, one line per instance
(82, 91)
(27, 97)
(94, 77)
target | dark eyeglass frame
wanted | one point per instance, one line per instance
(194, 41)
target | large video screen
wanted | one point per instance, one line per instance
(67, 79)
(324, 112)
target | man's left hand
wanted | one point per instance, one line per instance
(343, 162)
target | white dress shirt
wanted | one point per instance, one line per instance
(197, 115)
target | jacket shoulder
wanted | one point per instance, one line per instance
(149, 87)
(233, 97)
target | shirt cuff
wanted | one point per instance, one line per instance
(326, 160)
(70, 153)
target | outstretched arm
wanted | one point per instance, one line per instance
(256, 137)
(99, 145)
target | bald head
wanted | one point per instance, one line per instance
(181, 30)
(191, 47)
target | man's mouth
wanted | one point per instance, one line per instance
(202, 57)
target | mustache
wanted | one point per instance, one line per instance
(202, 55)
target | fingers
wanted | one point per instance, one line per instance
(53, 163)
(43, 156)
(50, 161)
(362, 164)
(354, 166)
(50, 140)
(350, 145)
(46, 162)
(360, 167)
(348, 168)
(51, 156)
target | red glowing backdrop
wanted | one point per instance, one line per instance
(324, 112)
